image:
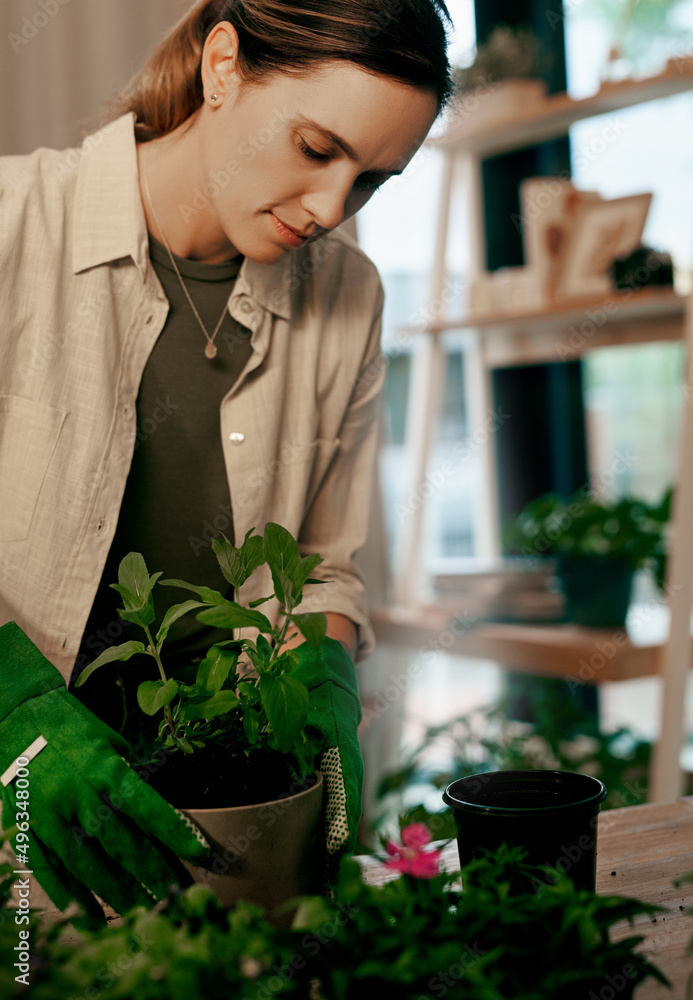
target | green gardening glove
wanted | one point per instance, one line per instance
(332, 738)
(95, 825)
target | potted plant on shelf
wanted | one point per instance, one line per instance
(503, 78)
(597, 547)
(232, 732)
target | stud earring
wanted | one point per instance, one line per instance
(213, 98)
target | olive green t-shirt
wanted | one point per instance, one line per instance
(177, 489)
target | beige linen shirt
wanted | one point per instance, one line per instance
(80, 310)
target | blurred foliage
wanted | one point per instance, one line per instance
(509, 54)
(636, 26)
(562, 737)
(583, 527)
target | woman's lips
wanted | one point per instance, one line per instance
(288, 234)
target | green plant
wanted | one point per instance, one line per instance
(410, 937)
(643, 31)
(222, 711)
(582, 527)
(419, 936)
(188, 947)
(508, 54)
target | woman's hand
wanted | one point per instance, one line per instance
(339, 627)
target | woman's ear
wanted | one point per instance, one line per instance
(219, 67)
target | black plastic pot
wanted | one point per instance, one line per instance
(552, 814)
(597, 590)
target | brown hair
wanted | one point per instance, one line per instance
(402, 39)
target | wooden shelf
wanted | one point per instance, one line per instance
(552, 117)
(592, 656)
(652, 303)
(572, 328)
(475, 130)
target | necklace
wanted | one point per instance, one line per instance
(210, 346)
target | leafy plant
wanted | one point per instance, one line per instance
(410, 937)
(416, 936)
(188, 946)
(509, 53)
(582, 527)
(643, 31)
(243, 698)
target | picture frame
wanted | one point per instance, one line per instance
(602, 231)
(549, 209)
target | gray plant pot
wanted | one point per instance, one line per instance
(266, 853)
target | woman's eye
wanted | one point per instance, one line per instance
(369, 183)
(312, 154)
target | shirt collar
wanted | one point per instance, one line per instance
(110, 222)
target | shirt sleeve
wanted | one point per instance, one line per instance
(336, 525)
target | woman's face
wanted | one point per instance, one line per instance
(291, 159)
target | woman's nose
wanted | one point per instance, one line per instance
(327, 206)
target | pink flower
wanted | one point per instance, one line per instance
(411, 859)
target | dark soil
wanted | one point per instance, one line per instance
(213, 779)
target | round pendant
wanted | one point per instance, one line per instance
(210, 351)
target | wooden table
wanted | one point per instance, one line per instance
(648, 847)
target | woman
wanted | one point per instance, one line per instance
(182, 277)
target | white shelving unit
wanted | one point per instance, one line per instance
(499, 339)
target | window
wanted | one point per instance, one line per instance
(397, 230)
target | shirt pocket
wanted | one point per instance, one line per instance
(29, 432)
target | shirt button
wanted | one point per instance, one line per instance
(236, 438)
(247, 307)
